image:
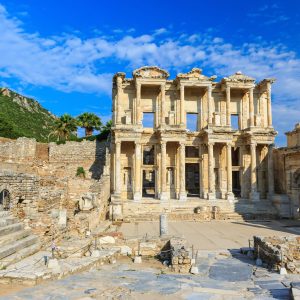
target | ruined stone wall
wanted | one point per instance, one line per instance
(279, 252)
(42, 180)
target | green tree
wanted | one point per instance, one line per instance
(64, 127)
(89, 122)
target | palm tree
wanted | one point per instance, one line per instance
(107, 126)
(89, 122)
(63, 127)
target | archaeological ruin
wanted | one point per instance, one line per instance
(190, 139)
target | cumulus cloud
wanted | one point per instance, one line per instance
(70, 63)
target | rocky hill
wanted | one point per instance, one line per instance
(23, 116)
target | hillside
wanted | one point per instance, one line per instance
(22, 116)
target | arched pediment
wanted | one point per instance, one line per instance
(239, 77)
(151, 72)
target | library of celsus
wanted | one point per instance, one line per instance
(191, 137)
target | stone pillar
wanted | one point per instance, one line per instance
(229, 194)
(211, 173)
(181, 104)
(251, 107)
(137, 196)
(209, 105)
(119, 92)
(163, 104)
(201, 175)
(182, 193)
(118, 169)
(163, 172)
(270, 172)
(138, 103)
(254, 195)
(269, 104)
(228, 115)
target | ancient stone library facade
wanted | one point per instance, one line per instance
(191, 136)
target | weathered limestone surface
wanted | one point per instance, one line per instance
(157, 154)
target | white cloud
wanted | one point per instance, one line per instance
(70, 63)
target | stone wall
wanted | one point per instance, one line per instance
(42, 181)
(279, 252)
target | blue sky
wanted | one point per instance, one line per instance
(64, 53)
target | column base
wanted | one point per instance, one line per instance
(270, 196)
(230, 196)
(182, 196)
(164, 196)
(115, 197)
(211, 196)
(137, 196)
(254, 196)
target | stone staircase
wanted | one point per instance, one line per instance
(16, 242)
(239, 210)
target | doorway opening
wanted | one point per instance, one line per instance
(149, 183)
(236, 184)
(192, 179)
(5, 199)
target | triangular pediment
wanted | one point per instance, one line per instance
(151, 72)
(195, 74)
(239, 77)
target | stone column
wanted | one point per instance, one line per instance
(182, 193)
(251, 107)
(228, 115)
(229, 194)
(269, 108)
(270, 172)
(119, 92)
(181, 104)
(254, 195)
(209, 105)
(118, 169)
(138, 103)
(163, 104)
(137, 196)
(201, 183)
(163, 172)
(211, 173)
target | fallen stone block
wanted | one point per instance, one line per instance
(107, 240)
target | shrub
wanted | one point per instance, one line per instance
(80, 172)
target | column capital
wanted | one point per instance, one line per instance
(163, 85)
(253, 143)
(211, 143)
(227, 88)
(118, 143)
(229, 144)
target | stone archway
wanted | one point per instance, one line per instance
(5, 199)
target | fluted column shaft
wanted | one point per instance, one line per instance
(269, 105)
(182, 104)
(251, 107)
(228, 115)
(182, 193)
(138, 103)
(163, 104)
(119, 92)
(229, 194)
(137, 171)
(209, 105)
(118, 168)
(211, 172)
(270, 172)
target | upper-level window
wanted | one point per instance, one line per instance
(191, 121)
(235, 124)
(148, 119)
(191, 151)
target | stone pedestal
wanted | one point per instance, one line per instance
(230, 196)
(137, 196)
(211, 196)
(254, 196)
(182, 196)
(164, 196)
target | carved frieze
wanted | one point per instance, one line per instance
(150, 72)
(195, 74)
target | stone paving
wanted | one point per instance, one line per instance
(222, 276)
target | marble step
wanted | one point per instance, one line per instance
(17, 245)
(19, 255)
(4, 213)
(8, 220)
(10, 238)
(10, 229)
